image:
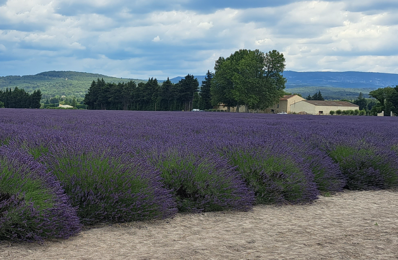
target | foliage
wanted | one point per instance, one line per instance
(109, 188)
(146, 96)
(58, 83)
(120, 166)
(366, 167)
(328, 92)
(32, 204)
(361, 101)
(273, 181)
(205, 92)
(332, 112)
(249, 78)
(316, 96)
(203, 184)
(19, 98)
(387, 100)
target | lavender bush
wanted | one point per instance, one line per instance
(33, 206)
(124, 157)
(109, 188)
(274, 176)
(366, 167)
(203, 183)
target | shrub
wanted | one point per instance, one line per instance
(203, 183)
(331, 112)
(108, 188)
(356, 112)
(338, 112)
(327, 174)
(274, 177)
(362, 112)
(33, 206)
(366, 167)
(345, 112)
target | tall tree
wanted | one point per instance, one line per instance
(222, 84)
(393, 98)
(19, 98)
(382, 95)
(186, 89)
(361, 102)
(249, 78)
(205, 92)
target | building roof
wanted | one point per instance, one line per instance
(331, 103)
(286, 97)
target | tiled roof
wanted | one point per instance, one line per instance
(286, 97)
(331, 103)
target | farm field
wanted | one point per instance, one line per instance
(65, 171)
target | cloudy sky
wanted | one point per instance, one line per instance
(153, 38)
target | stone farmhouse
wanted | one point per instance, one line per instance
(318, 107)
(289, 104)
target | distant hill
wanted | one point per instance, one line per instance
(333, 85)
(52, 83)
(349, 79)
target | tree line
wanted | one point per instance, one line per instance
(150, 96)
(387, 100)
(19, 98)
(246, 78)
(316, 96)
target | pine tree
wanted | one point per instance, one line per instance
(205, 94)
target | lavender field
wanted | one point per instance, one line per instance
(61, 170)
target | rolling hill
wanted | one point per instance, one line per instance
(52, 83)
(333, 85)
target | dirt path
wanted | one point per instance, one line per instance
(350, 225)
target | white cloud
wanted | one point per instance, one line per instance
(156, 39)
(313, 35)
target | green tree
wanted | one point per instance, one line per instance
(35, 98)
(195, 101)
(166, 95)
(393, 99)
(221, 84)
(205, 92)
(316, 96)
(249, 78)
(74, 102)
(383, 96)
(186, 89)
(361, 101)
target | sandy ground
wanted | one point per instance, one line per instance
(349, 225)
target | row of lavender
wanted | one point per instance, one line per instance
(60, 170)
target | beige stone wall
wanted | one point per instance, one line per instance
(284, 105)
(292, 101)
(326, 109)
(303, 106)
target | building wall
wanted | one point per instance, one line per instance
(303, 106)
(292, 101)
(284, 105)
